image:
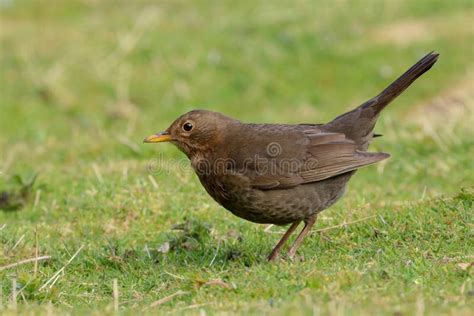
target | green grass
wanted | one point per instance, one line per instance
(82, 82)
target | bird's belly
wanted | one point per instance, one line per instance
(272, 206)
(276, 206)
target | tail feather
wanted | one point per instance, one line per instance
(379, 102)
(359, 123)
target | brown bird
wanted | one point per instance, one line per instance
(280, 173)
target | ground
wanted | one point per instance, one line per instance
(83, 82)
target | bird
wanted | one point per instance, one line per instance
(283, 174)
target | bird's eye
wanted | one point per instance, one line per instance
(187, 127)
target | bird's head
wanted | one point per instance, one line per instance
(194, 132)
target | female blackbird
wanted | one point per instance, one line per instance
(279, 173)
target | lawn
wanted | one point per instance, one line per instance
(126, 227)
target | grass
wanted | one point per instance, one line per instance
(82, 82)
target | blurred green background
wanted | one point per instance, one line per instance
(83, 82)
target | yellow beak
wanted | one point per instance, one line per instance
(158, 138)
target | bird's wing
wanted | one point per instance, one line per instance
(305, 156)
(333, 154)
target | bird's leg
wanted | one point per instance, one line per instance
(276, 251)
(307, 227)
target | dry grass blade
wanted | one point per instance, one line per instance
(153, 181)
(167, 298)
(465, 265)
(17, 243)
(343, 224)
(55, 276)
(215, 255)
(116, 295)
(268, 227)
(218, 282)
(329, 228)
(191, 307)
(174, 275)
(36, 252)
(37, 199)
(97, 173)
(9, 266)
(14, 294)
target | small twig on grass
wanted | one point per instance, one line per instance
(55, 276)
(24, 261)
(167, 298)
(3, 226)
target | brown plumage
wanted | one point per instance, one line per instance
(280, 173)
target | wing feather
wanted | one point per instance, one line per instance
(326, 155)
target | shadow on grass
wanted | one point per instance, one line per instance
(192, 242)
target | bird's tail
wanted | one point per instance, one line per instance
(359, 123)
(404, 81)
